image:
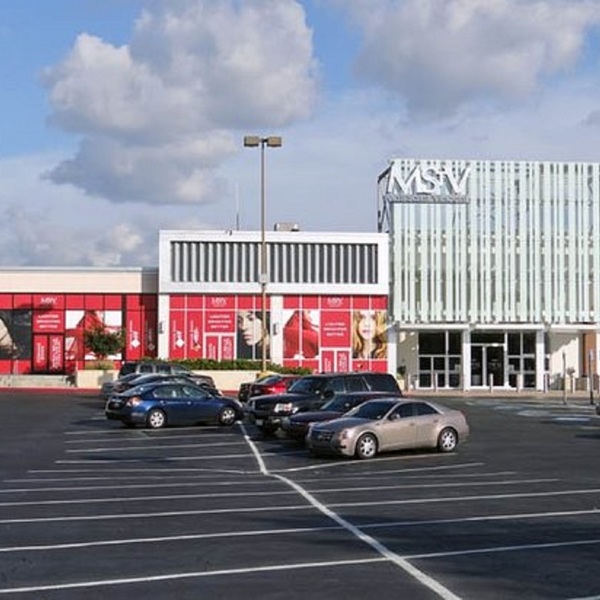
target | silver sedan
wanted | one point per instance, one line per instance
(389, 424)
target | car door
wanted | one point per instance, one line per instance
(427, 422)
(166, 398)
(200, 406)
(398, 430)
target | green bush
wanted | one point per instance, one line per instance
(241, 364)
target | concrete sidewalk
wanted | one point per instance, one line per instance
(579, 398)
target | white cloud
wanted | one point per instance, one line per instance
(156, 116)
(439, 56)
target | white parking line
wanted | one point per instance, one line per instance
(381, 549)
(128, 499)
(295, 530)
(157, 447)
(154, 515)
(193, 575)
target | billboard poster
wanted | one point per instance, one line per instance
(16, 334)
(177, 345)
(301, 334)
(40, 355)
(369, 334)
(78, 321)
(335, 328)
(194, 333)
(250, 334)
(48, 321)
(133, 335)
(56, 353)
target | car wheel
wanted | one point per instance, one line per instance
(156, 419)
(366, 446)
(227, 416)
(447, 440)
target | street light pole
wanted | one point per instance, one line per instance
(254, 141)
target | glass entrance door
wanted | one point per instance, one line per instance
(487, 365)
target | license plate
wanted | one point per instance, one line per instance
(258, 422)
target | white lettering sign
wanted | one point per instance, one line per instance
(431, 180)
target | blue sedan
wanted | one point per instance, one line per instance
(157, 405)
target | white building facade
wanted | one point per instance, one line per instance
(325, 292)
(495, 270)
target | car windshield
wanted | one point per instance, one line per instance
(307, 385)
(373, 410)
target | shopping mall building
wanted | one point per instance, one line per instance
(482, 274)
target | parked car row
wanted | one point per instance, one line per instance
(357, 415)
(345, 414)
(150, 395)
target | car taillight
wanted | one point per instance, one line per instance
(134, 401)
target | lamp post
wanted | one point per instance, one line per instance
(255, 141)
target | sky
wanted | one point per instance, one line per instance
(119, 118)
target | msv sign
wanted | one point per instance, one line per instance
(429, 183)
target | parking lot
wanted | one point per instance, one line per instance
(92, 508)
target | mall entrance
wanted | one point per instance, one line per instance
(501, 359)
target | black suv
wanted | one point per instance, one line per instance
(311, 392)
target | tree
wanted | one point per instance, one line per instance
(103, 342)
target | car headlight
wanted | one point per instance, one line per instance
(344, 434)
(135, 401)
(284, 407)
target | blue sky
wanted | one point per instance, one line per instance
(122, 117)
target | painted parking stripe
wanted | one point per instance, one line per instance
(192, 575)
(296, 530)
(380, 548)
(246, 493)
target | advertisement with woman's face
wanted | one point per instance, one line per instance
(15, 334)
(369, 334)
(250, 334)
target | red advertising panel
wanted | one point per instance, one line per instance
(94, 302)
(227, 347)
(195, 301)
(379, 303)
(219, 321)
(40, 352)
(335, 302)
(335, 329)
(177, 343)
(113, 302)
(220, 302)
(133, 330)
(342, 361)
(194, 333)
(149, 341)
(45, 321)
(74, 302)
(328, 361)
(212, 347)
(49, 301)
(56, 353)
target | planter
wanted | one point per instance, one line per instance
(94, 378)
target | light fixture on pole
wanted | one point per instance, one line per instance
(255, 141)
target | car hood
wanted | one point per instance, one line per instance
(343, 423)
(316, 416)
